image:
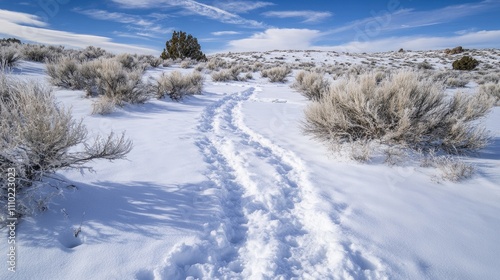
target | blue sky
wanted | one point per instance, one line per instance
(143, 26)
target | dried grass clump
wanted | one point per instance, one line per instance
(405, 109)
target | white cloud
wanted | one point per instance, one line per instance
(302, 39)
(276, 39)
(21, 18)
(193, 7)
(142, 26)
(242, 6)
(15, 24)
(222, 33)
(308, 16)
(479, 39)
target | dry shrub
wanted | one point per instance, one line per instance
(9, 57)
(312, 85)
(491, 89)
(39, 138)
(66, 73)
(276, 74)
(177, 86)
(117, 82)
(404, 108)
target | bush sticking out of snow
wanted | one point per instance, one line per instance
(104, 105)
(66, 73)
(131, 62)
(177, 86)
(425, 65)
(404, 108)
(312, 85)
(9, 57)
(117, 82)
(224, 75)
(276, 74)
(491, 89)
(452, 168)
(39, 138)
(456, 82)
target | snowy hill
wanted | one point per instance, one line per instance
(225, 185)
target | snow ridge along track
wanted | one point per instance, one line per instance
(270, 224)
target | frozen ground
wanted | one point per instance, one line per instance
(224, 185)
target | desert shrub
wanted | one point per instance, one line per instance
(276, 74)
(404, 108)
(91, 53)
(465, 63)
(456, 82)
(37, 53)
(491, 89)
(39, 138)
(119, 83)
(131, 62)
(425, 65)
(224, 75)
(167, 62)
(200, 66)
(312, 85)
(177, 86)
(104, 105)
(451, 168)
(186, 63)
(66, 73)
(249, 76)
(9, 57)
(455, 50)
(216, 63)
(150, 60)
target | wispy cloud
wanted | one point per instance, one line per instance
(386, 21)
(223, 33)
(194, 7)
(276, 39)
(20, 25)
(308, 16)
(242, 6)
(21, 18)
(139, 24)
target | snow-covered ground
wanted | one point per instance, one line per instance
(224, 185)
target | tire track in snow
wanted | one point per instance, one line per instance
(270, 225)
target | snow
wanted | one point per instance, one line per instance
(224, 185)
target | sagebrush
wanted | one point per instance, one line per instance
(405, 108)
(39, 138)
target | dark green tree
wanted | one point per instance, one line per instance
(182, 46)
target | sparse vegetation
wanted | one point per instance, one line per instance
(276, 74)
(39, 137)
(312, 85)
(491, 89)
(405, 109)
(177, 86)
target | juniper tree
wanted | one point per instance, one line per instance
(182, 46)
